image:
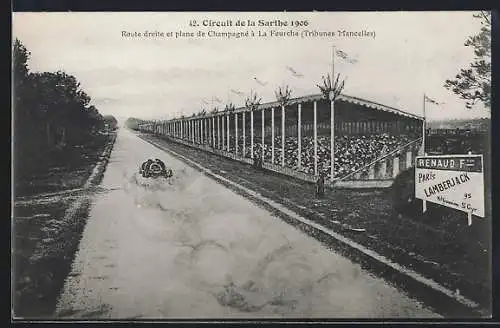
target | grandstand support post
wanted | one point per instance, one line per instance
(299, 133)
(206, 131)
(236, 133)
(223, 133)
(227, 128)
(202, 131)
(251, 133)
(244, 134)
(272, 135)
(218, 131)
(195, 132)
(315, 129)
(263, 134)
(332, 139)
(213, 131)
(282, 135)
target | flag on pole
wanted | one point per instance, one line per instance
(432, 101)
(344, 56)
(216, 100)
(204, 101)
(294, 72)
(239, 93)
(260, 82)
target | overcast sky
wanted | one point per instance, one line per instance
(411, 53)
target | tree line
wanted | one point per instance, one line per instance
(51, 112)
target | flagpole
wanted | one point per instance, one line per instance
(423, 127)
(424, 202)
(332, 123)
(333, 61)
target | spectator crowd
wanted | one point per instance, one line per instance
(351, 151)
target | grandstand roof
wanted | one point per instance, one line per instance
(342, 97)
(316, 97)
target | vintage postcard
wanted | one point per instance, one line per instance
(251, 165)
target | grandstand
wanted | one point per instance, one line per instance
(372, 142)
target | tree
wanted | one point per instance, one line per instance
(473, 84)
(20, 62)
(61, 104)
(111, 121)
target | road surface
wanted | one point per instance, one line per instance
(191, 248)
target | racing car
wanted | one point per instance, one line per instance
(155, 169)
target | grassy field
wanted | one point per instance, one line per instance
(438, 244)
(44, 239)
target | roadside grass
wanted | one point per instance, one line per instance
(43, 241)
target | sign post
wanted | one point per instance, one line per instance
(455, 181)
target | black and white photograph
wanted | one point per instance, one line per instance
(251, 165)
